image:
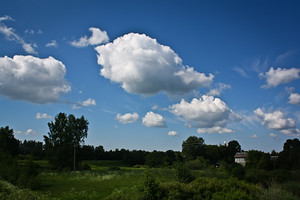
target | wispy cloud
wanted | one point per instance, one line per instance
(86, 103)
(42, 116)
(10, 35)
(52, 43)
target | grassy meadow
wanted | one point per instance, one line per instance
(114, 180)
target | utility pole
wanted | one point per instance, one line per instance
(74, 167)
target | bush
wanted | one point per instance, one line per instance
(113, 168)
(176, 191)
(85, 167)
(149, 188)
(198, 164)
(274, 192)
(238, 171)
(183, 175)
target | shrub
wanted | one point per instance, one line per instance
(183, 174)
(114, 168)
(238, 171)
(274, 192)
(85, 167)
(176, 191)
(198, 164)
(149, 188)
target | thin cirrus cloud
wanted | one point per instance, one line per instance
(143, 66)
(152, 119)
(275, 77)
(127, 118)
(33, 79)
(208, 114)
(10, 35)
(98, 37)
(277, 121)
(42, 116)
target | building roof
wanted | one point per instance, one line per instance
(241, 155)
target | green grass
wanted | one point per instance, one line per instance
(98, 183)
(107, 177)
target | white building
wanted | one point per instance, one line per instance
(240, 158)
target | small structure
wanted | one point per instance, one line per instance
(240, 158)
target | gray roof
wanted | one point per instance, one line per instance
(241, 155)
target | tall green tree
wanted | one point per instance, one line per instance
(66, 134)
(8, 143)
(193, 147)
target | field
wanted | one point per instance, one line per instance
(114, 180)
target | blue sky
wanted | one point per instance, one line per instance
(149, 74)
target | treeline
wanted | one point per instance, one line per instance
(192, 148)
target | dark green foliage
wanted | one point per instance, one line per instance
(9, 168)
(33, 148)
(29, 175)
(193, 147)
(149, 188)
(183, 174)
(238, 171)
(289, 158)
(84, 167)
(155, 159)
(8, 143)
(135, 157)
(198, 164)
(65, 136)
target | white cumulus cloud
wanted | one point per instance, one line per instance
(208, 113)
(277, 121)
(10, 34)
(275, 77)
(172, 133)
(294, 98)
(127, 118)
(274, 120)
(32, 79)
(152, 119)
(98, 37)
(42, 116)
(143, 66)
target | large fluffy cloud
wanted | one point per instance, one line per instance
(277, 121)
(207, 113)
(143, 66)
(98, 37)
(152, 119)
(279, 76)
(10, 34)
(32, 79)
(127, 118)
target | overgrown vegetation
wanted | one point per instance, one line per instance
(31, 170)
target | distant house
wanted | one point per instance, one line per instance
(240, 158)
